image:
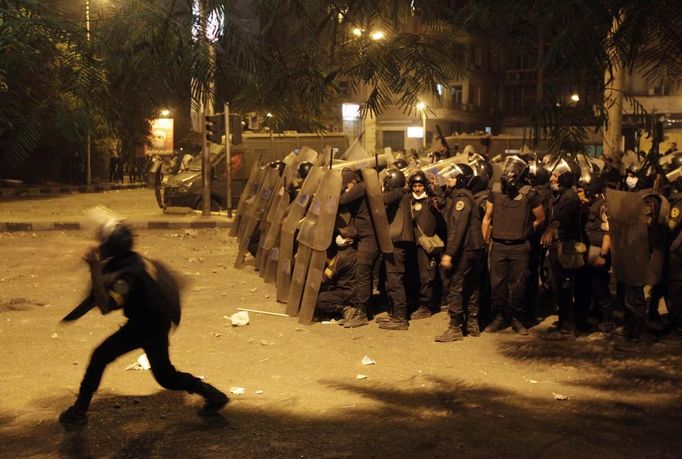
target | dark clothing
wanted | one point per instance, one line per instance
(513, 218)
(354, 203)
(508, 272)
(427, 220)
(674, 263)
(338, 280)
(594, 223)
(398, 213)
(464, 292)
(566, 210)
(402, 234)
(464, 224)
(130, 286)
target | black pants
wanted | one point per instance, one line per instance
(508, 273)
(395, 284)
(132, 336)
(535, 257)
(464, 289)
(332, 301)
(426, 264)
(674, 293)
(563, 285)
(592, 289)
(368, 252)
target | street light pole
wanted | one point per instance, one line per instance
(88, 166)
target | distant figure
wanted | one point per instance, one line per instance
(148, 295)
(113, 164)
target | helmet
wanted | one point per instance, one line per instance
(419, 177)
(636, 176)
(400, 163)
(566, 170)
(394, 179)
(464, 174)
(115, 242)
(303, 169)
(537, 174)
(483, 172)
(277, 165)
(590, 180)
(513, 174)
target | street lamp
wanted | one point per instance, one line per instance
(165, 112)
(575, 98)
(421, 106)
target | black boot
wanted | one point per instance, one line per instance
(472, 324)
(215, 400)
(74, 416)
(358, 319)
(500, 323)
(454, 331)
(398, 321)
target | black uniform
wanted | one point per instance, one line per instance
(465, 246)
(354, 203)
(483, 279)
(512, 225)
(397, 203)
(593, 281)
(567, 212)
(536, 258)
(427, 220)
(338, 279)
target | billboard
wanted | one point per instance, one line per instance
(160, 141)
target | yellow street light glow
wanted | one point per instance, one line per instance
(378, 35)
(268, 115)
(165, 112)
(421, 105)
(575, 98)
(357, 31)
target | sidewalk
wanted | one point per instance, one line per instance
(35, 190)
(30, 212)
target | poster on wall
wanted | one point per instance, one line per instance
(160, 141)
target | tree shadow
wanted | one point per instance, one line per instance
(446, 418)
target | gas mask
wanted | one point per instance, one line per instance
(510, 185)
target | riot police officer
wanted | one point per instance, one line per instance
(561, 237)
(148, 296)
(511, 216)
(674, 268)
(427, 220)
(463, 257)
(338, 277)
(397, 201)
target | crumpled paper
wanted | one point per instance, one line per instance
(237, 390)
(239, 319)
(141, 364)
(367, 361)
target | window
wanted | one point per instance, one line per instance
(456, 96)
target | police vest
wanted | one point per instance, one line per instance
(511, 216)
(593, 225)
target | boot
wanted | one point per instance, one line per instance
(215, 400)
(394, 324)
(472, 324)
(347, 312)
(500, 323)
(74, 416)
(454, 331)
(422, 312)
(518, 327)
(358, 319)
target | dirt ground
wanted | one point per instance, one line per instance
(492, 396)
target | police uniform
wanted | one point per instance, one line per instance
(481, 198)
(353, 203)
(397, 203)
(535, 258)
(512, 224)
(338, 279)
(465, 247)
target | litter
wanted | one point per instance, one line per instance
(239, 319)
(367, 361)
(359, 376)
(259, 391)
(141, 364)
(560, 396)
(237, 390)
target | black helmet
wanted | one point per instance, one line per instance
(483, 172)
(281, 165)
(115, 242)
(464, 174)
(419, 177)
(303, 169)
(590, 181)
(566, 170)
(537, 174)
(400, 163)
(394, 179)
(513, 175)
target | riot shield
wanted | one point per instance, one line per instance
(264, 223)
(294, 214)
(365, 163)
(377, 210)
(314, 238)
(251, 188)
(255, 213)
(628, 227)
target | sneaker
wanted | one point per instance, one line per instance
(394, 324)
(449, 335)
(74, 416)
(519, 328)
(422, 312)
(500, 323)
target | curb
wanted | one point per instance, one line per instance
(46, 190)
(138, 225)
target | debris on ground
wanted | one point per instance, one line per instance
(560, 396)
(141, 364)
(240, 319)
(367, 361)
(359, 376)
(237, 390)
